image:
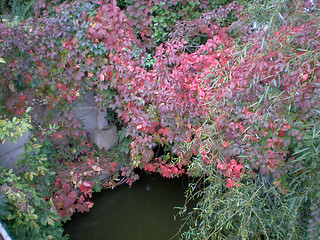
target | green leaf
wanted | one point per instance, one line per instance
(50, 221)
(43, 220)
(28, 109)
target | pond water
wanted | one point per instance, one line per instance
(144, 211)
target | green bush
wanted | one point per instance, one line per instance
(27, 209)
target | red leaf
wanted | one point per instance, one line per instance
(286, 127)
(69, 98)
(58, 182)
(149, 167)
(231, 183)
(164, 131)
(270, 143)
(66, 187)
(174, 170)
(64, 87)
(281, 133)
(57, 135)
(225, 144)
(72, 194)
(23, 97)
(84, 15)
(113, 164)
(86, 187)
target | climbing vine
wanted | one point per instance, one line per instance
(225, 104)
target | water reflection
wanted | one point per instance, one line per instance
(144, 211)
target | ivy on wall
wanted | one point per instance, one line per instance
(232, 105)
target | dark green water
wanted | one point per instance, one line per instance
(144, 211)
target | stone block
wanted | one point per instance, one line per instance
(105, 139)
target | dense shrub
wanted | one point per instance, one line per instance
(240, 113)
(26, 206)
(262, 137)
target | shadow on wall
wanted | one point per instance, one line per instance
(10, 152)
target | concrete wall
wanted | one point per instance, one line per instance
(10, 152)
(95, 123)
(104, 135)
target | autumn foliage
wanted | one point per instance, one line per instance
(242, 109)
